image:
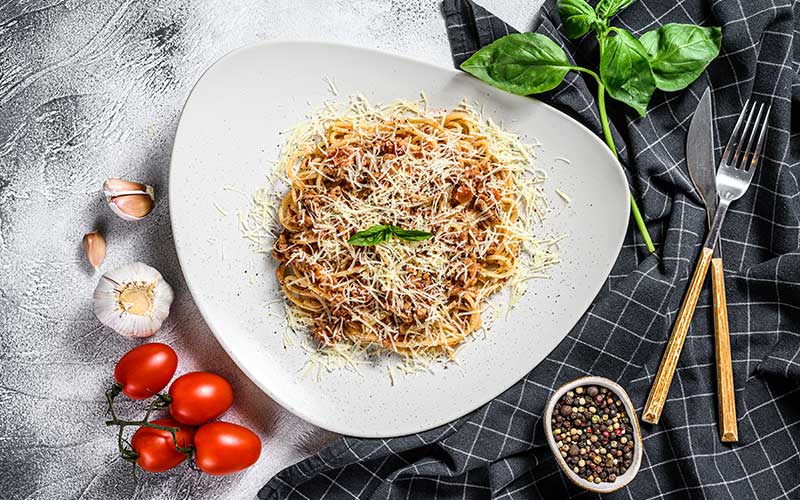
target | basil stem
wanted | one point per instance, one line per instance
(637, 215)
(601, 105)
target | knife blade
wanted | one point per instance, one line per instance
(700, 156)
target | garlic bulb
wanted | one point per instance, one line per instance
(133, 300)
(129, 200)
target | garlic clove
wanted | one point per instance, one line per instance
(95, 247)
(130, 200)
(134, 300)
(132, 206)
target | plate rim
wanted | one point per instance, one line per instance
(172, 194)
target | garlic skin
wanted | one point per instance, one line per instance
(133, 300)
(95, 247)
(129, 200)
(116, 187)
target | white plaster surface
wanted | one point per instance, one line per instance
(90, 90)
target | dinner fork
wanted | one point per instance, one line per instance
(733, 178)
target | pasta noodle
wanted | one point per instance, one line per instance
(450, 173)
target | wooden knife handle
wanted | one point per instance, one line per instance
(728, 430)
(666, 370)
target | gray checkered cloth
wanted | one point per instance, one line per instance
(499, 450)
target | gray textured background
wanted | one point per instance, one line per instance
(90, 90)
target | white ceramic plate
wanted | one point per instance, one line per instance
(231, 129)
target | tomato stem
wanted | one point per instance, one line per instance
(189, 450)
(126, 451)
(133, 472)
(144, 423)
(161, 402)
(112, 393)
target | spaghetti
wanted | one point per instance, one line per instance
(450, 173)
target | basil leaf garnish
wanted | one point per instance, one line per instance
(410, 234)
(375, 235)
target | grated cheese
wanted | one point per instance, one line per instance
(331, 86)
(563, 160)
(221, 210)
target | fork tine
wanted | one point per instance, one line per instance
(740, 140)
(732, 140)
(760, 144)
(749, 149)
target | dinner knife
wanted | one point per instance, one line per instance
(702, 170)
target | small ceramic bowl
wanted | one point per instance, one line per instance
(622, 480)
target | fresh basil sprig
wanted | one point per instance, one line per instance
(381, 233)
(630, 70)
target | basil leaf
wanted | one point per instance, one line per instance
(375, 235)
(522, 63)
(371, 236)
(625, 70)
(410, 234)
(680, 52)
(577, 17)
(608, 8)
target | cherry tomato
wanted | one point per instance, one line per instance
(198, 397)
(155, 447)
(224, 448)
(145, 370)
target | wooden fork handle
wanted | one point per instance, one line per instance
(728, 430)
(666, 370)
